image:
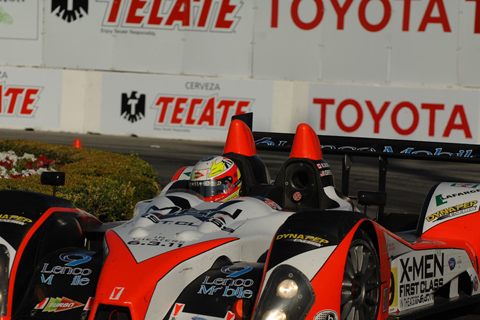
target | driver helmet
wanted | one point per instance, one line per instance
(216, 178)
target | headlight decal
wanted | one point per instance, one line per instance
(288, 295)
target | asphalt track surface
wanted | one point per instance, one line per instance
(408, 181)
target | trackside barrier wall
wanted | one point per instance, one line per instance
(394, 69)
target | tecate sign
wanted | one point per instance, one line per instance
(211, 15)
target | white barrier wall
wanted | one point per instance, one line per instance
(419, 42)
(200, 108)
(403, 69)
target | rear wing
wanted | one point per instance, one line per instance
(376, 147)
(369, 147)
(384, 149)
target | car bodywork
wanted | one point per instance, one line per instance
(294, 248)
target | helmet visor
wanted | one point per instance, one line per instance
(210, 188)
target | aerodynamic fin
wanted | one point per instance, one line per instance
(240, 140)
(306, 144)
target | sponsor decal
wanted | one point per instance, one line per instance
(434, 14)
(70, 10)
(116, 293)
(66, 270)
(417, 278)
(465, 185)
(229, 316)
(416, 300)
(268, 141)
(159, 212)
(5, 17)
(324, 173)
(441, 199)
(58, 304)
(198, 111)
(11, 218)
(228, 291)
(297, 196)
(197, 174)
(272, 204)
(434, 151)
(326, 315)
(88, 305)
(211, 15)
(457, 210)
(231, 285)
(178, 308)
(455, 263)
(385, 300)
(179, 223)
(322, 165)
(235, 271)
(218, 168)
(393, 298)
(133, 106)
(390, 247)
(228, 282)
(302, 238)
(18, 100)
(157, 241)
(155, 218)
(422, 267)
(437, 152)
(79, 274)
(451, 263)
(74, 259)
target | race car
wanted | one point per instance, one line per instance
(289, 249)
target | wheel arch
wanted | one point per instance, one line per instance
(376, 235)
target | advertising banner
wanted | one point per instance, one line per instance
(208, 37)
(421, 42)
(181, 107)
(381, 41)
(20, 32)
(30, 98)
(442, 115)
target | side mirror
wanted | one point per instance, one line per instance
(372, 198)
(53, 178)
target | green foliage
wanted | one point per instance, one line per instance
(105, 184)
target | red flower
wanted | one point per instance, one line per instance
(23, 164)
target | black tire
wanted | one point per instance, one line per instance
(361, 280)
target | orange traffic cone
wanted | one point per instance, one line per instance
(77, 143)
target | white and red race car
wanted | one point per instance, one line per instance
(289, 249)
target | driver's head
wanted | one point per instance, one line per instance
(216, 178)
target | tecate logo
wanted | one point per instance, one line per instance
(212, 15)
(198, 111)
